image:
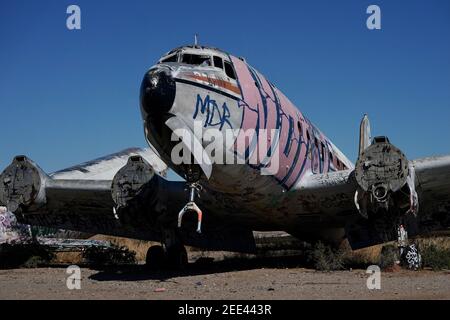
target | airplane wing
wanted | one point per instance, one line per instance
(124, 194)
(331, 200)
(78, 198)
(105, 168)
(433, 180)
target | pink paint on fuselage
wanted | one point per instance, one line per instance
(251, 105)
(265, 107)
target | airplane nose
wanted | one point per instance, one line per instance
(157, 92)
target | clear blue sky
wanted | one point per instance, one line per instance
(71, 96)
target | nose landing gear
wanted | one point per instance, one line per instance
(194, 188)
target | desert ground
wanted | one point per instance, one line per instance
(235, 280)
(221, 275)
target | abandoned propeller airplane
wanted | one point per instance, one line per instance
(299, 182)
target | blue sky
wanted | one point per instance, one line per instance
(71, 96)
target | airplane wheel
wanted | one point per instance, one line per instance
(155, 257)
(177, 257)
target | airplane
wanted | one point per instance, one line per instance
(314, 193)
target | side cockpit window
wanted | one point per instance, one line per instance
(229, 70)
(218, 62)
(172, 58)
(196, 60)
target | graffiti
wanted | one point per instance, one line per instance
(215, 115)
(413, 259)
(10, 230)
(265, 107)
(5, 222)
(331, 159)
(298, 146)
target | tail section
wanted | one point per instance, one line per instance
(364, 135)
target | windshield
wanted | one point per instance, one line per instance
(196, 60)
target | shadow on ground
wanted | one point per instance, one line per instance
(202, 266)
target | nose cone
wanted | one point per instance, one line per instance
(157, 92)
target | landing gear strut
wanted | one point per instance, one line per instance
(194, 188)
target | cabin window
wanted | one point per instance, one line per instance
(322, 150)
(229, 70)
(218, 62)
(299, 127)
(196, 59)
(331, 156)
(308, 136)
(172, 58)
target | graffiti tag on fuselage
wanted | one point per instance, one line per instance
(215, 115)
(299, 145)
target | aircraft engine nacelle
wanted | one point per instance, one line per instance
(22, 184)
(139, 194)
(131, 181)
(381, 169)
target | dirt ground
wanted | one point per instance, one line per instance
(221, 275)
(231, 280)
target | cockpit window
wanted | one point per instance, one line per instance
(218, 62)
(229, 70)
(173, 58)
(196, 60)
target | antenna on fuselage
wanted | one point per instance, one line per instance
(196, 40)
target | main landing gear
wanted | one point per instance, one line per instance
(172, 258)
(171, 255)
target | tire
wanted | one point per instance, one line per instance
(155, 258)
(177, 257)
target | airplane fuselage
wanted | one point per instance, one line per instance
(210, 88)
